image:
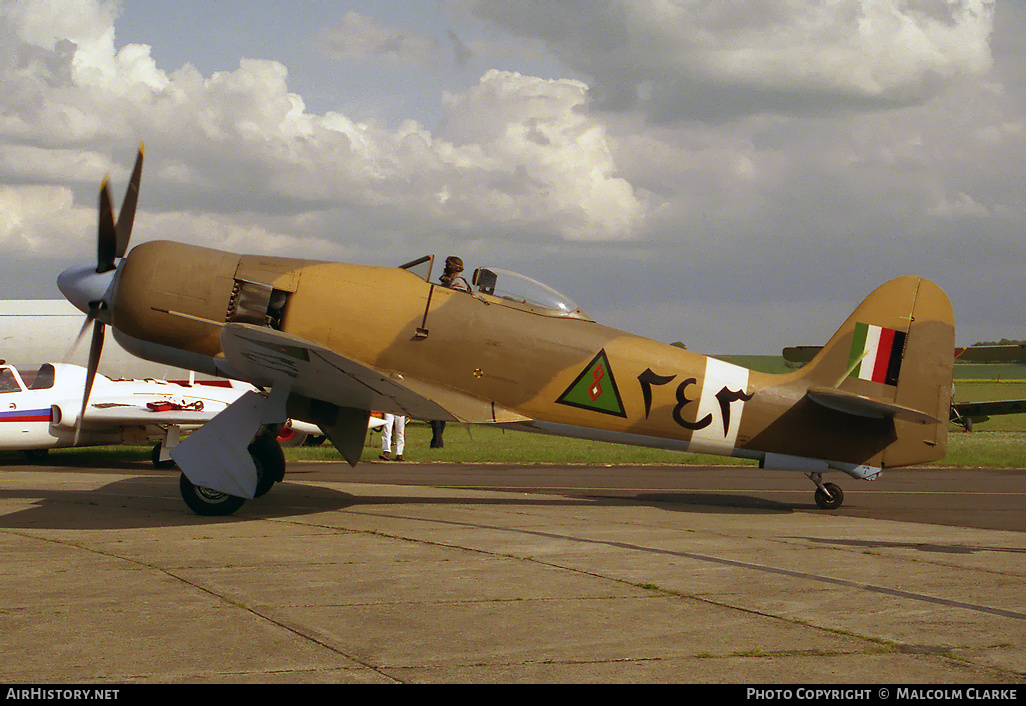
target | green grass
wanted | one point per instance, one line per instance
(990, 449)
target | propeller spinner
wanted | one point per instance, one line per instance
(90, 287)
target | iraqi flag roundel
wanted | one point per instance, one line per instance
(595, 389)
(876, 353)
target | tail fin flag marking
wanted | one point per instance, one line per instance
(876, 353)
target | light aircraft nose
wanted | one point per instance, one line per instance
(87, 289)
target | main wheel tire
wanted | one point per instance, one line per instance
(204, 501)
(829, 497)
(155, 458)
(270, 463)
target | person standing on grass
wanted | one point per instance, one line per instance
(399, 421)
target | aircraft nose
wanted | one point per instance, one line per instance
(87, 289)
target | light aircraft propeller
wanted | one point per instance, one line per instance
(91, 289)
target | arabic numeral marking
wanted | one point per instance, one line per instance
(682, 402)
(725, 397)
(647, 380)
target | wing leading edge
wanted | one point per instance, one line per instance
(270, 358)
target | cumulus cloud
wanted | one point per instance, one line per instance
(681, 60)
(742, 156)
(515, 152)
(536, 139)
(36, 217)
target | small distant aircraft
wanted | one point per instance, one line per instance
(42, 409)
(964, 414)
(511, 353)
(995, 353)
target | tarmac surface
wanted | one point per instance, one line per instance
(407, 573)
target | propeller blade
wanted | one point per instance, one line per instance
(78, 339)
(123, 230)
(106, 242)
(95, 348)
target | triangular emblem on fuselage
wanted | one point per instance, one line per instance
(595, 389)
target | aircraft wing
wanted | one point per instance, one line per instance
(270, 358)
(110, 413)
(114, 413)
(989, 408)
(863, 406)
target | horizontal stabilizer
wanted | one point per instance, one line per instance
(863, 406)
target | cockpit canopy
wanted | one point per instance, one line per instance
(14, 380)
(509, 288)
(520, 289)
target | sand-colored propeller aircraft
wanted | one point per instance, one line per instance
(512, 353)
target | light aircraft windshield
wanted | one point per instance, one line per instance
(14, 380)
(518, 288)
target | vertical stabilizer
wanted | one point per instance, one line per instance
(897, 347)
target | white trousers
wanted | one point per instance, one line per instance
(400, 433)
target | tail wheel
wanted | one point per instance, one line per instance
(829, 496)
(204, 501)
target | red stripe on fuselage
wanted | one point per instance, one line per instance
(35, 415)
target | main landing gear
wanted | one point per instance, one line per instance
(828, 495)
(204, 501)
(270, 464)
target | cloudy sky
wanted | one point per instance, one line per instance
(734, 175)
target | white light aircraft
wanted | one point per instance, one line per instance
(40, 409)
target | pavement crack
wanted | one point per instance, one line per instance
(227, 600)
